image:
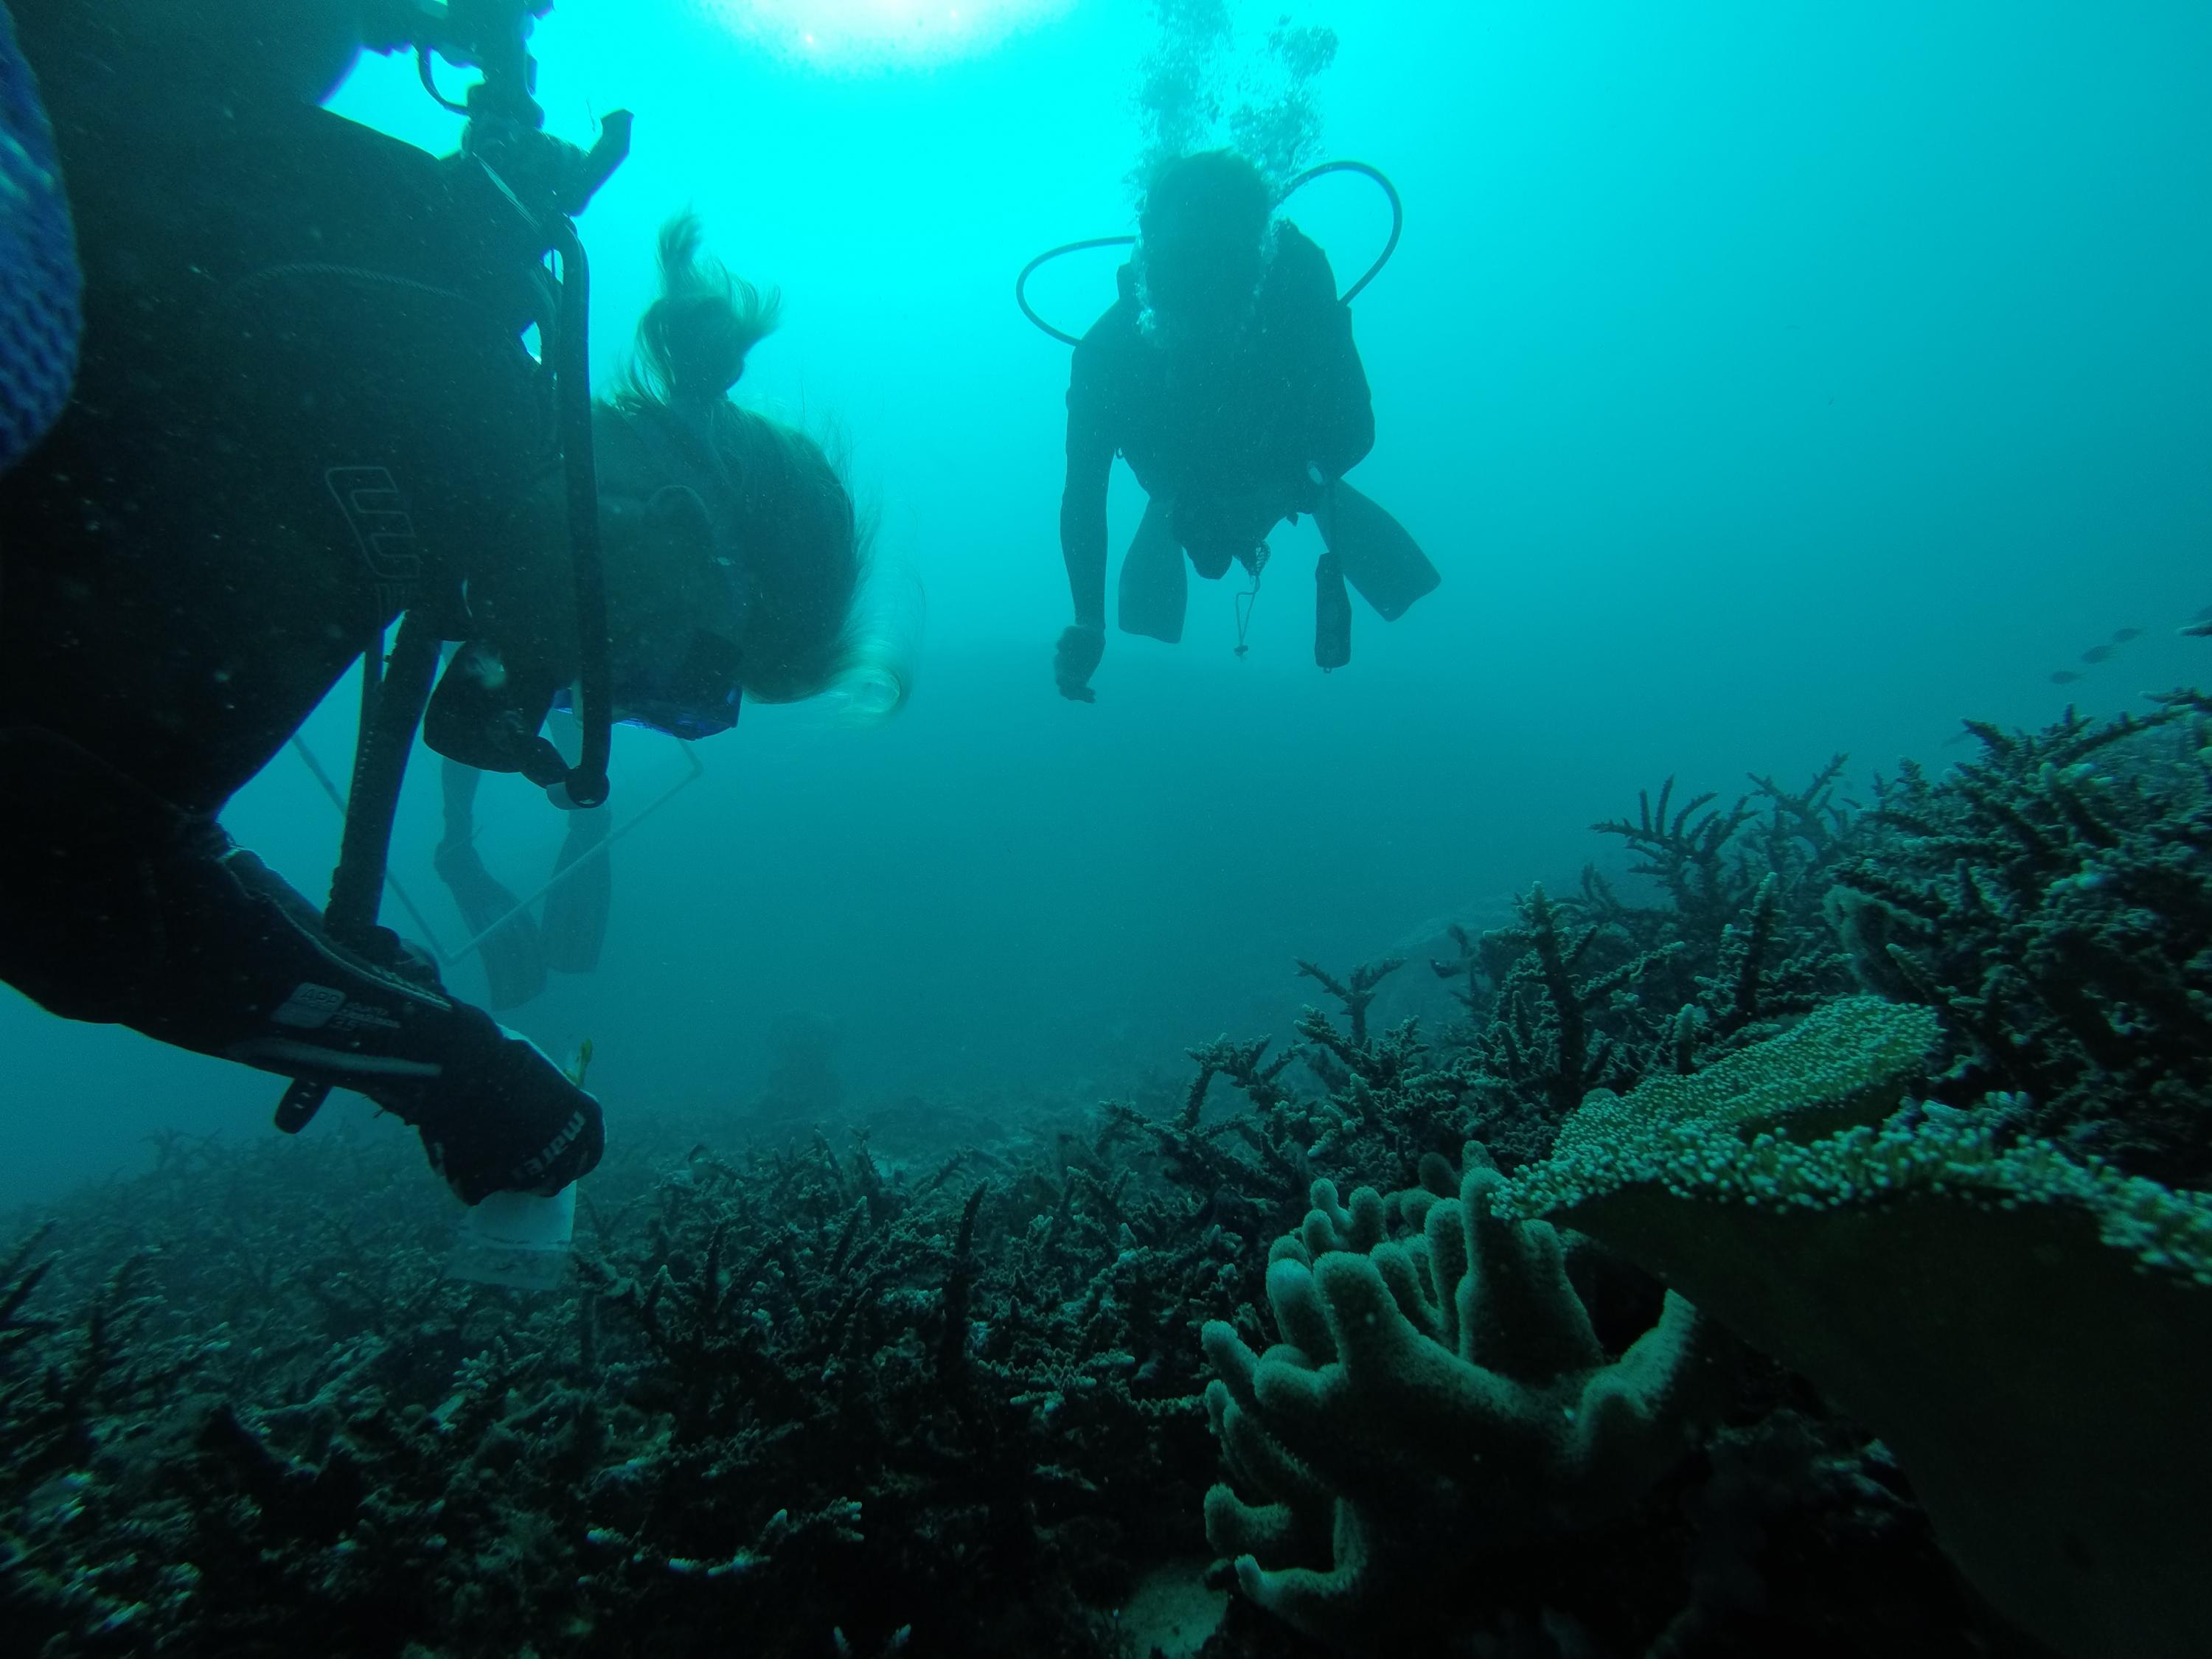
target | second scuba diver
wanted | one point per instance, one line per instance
(519, 948)
(1226, 376)
(304, 405)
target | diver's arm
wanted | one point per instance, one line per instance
(1342, 407)
(200, 945)
(1083, 546)
(1083, 500)
(1083, 532)
(1335, 410)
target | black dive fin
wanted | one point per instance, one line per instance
(1380, 560)
(513, 959)
(575, 923)
(1155, 584)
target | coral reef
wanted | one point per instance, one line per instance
(802, 1088)
(841, 1408)
(2027, 1331)
(1438, 1397)
(964, 1388)
(2051, 900)
(1597, 992)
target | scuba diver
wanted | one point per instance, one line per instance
(518, 949)
(305, 408)
(1226, 376)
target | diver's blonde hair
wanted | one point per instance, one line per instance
(813, 622)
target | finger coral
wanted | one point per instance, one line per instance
(1434, 1396)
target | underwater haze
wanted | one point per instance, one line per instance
(1766, 384)
(1662, 1111)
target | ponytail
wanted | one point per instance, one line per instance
(692, 341)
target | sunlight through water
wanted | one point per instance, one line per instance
(881, 34)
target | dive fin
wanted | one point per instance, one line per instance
(513, 958)
(1154, 585)
(1380, 559)
(575, 921)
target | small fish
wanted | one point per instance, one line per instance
(2064, 677)
(2097, 653)
(2122, 635)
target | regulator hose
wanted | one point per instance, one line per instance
(587, 784)
(1389, 247)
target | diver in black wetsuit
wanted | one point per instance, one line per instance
(1226, 376)
(303, 405)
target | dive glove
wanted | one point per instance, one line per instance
(512, 1123)
(1076, 660)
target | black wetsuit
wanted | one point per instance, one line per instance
(303, 405)
(1227, 441)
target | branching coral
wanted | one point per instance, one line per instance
(1595, 992)
(2053, 899)
(793, 1393)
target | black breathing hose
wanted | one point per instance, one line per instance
(1021, 282)
(1390, 193)
(587, 784)
(1389, 247)
(393, 697)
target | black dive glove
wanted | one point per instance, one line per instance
(505, 1120)
(1076, 660)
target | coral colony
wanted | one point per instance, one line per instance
(1796, 1245)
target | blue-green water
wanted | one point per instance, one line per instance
(1766, 382)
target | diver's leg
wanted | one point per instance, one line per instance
(575, 917)
(1153, 590)
(575, 924)
(513, 955)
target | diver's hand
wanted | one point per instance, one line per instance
(511, 1122)
(1077, 660)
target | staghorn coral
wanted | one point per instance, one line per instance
(764, 1406)
(1390, 1100)
(1596, 991)
(2027, 1331)
(2051, 900)
(1433, 1398)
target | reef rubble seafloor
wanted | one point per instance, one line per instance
(1796, 1255)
